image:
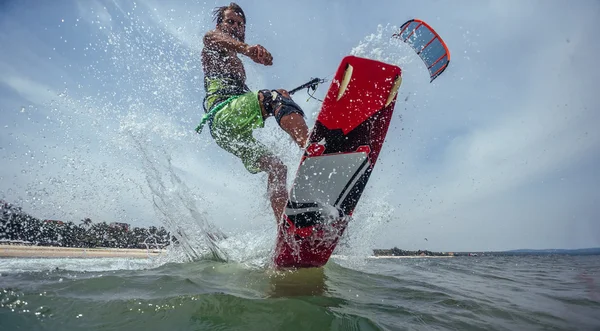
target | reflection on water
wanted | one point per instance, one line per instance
(301, 282)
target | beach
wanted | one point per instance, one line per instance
(24, 251)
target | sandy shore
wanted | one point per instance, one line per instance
(25, 251)
(47, 251)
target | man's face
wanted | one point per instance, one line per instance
(233, 25)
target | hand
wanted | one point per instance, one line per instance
(260, 55)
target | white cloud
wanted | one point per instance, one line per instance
(96, 13)
(515, 109)
(29, 89)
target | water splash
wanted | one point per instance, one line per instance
(119, 135)
(174, 203)
(372, 214)
(380, 46)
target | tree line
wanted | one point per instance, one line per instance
(17, 226)
(400, 252)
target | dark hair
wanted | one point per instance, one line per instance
(219, 12)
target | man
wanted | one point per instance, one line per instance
(233, 111)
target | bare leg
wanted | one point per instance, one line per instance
(294, 125)
(276, 184)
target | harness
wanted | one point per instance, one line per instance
(225, 89)
(220, 90)
(208, 117)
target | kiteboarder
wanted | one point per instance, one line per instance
(232, 111)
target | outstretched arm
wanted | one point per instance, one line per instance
(218, 40)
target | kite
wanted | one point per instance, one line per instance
(428, 44)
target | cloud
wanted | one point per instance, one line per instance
(29, 89)
(502, 142)
(96, 13)
(469, 148)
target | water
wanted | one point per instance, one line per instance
(485, 293)
(102, 127)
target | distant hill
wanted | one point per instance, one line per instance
(582, 251)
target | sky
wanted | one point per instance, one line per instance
(99, 100)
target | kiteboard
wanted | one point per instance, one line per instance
(340, 155)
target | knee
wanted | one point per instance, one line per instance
(278, 103)
(271, 94)
(284, 93)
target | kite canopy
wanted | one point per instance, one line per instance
(428, 45)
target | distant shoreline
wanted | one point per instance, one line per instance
(410, 256)
(397, 256)
(74, 252)
(32, 251)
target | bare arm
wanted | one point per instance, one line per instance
(217, 40)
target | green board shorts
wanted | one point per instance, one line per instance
(232, 128)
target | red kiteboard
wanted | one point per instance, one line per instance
(342, 150)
